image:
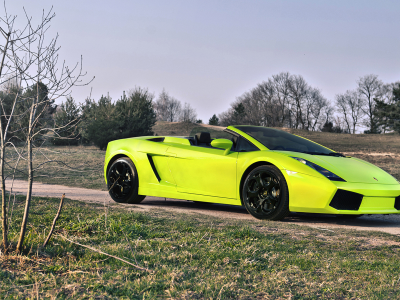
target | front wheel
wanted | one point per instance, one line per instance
(122, 182)
(265, 194)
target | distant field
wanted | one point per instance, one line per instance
(382, 150)
(82, 166)
(78, 166)
(162, 128)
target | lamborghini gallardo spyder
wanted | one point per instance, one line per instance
(268, 171)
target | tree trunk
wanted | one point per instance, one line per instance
(30, 171)
(2, 178)
(3, 196)
(55, 220)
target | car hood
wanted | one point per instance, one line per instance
(350, 169)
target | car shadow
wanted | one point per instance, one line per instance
(223, 210)
(362, 221)
(194, 205)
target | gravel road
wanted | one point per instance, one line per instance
(385, 223)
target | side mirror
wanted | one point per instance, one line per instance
(222, 144)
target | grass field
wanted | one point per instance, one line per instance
(192, 257)
(79, 166)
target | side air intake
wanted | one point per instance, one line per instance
(397, 203)
(345, 200)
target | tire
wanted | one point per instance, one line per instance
(265, 194)
(122, 182)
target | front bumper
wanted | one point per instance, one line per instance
(319, 195)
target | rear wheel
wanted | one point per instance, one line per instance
(122, 181)
(265, 194)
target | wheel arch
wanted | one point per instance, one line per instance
(248, 170)
(114, 158)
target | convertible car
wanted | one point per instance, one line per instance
(269, 171)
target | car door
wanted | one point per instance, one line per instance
(203, 170)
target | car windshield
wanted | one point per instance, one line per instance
(216, 132)
(275, 139)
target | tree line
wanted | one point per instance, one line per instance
(284, 100)
(97, 122)
(287, 100)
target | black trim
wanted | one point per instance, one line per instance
(345, 200)
(232, 132)
(239, 137)
(397, 203)
(154, 167)
(157, 139)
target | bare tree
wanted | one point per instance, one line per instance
(167, 108)
(350, 105)
(370, 88)
(298, 93)
(188, 114)
(173, 110)
(283, 100)
(41, 80)
(15, 40)
(343, 108)
(281, 87)
(315, 104)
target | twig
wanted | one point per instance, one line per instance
(55, 220)
(101, 252)
(204, 234)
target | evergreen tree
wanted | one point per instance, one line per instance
(213, 120)
(388, 115)
(44, 111)
(239, 113)
(100, 122)
(136, 114)
(129, 117)
(66, 120)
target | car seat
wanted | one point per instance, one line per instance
(203, 139)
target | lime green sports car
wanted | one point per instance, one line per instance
(269, 171)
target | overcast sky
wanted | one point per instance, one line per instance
(207, 53)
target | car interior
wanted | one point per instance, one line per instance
(204, 139)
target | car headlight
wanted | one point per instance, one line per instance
(323, 171)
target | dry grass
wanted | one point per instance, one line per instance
(162, 128)
(194, 258)
(78, 166)
(382, 150)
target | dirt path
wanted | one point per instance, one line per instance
(384, 223)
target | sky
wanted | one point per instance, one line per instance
(207, 53)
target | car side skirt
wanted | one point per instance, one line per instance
(186, 196)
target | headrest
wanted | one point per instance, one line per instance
(203, 137)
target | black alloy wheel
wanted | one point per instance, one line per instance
(265, 194)
(122, 181)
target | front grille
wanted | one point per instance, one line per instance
(345, 200)
(397, 203)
